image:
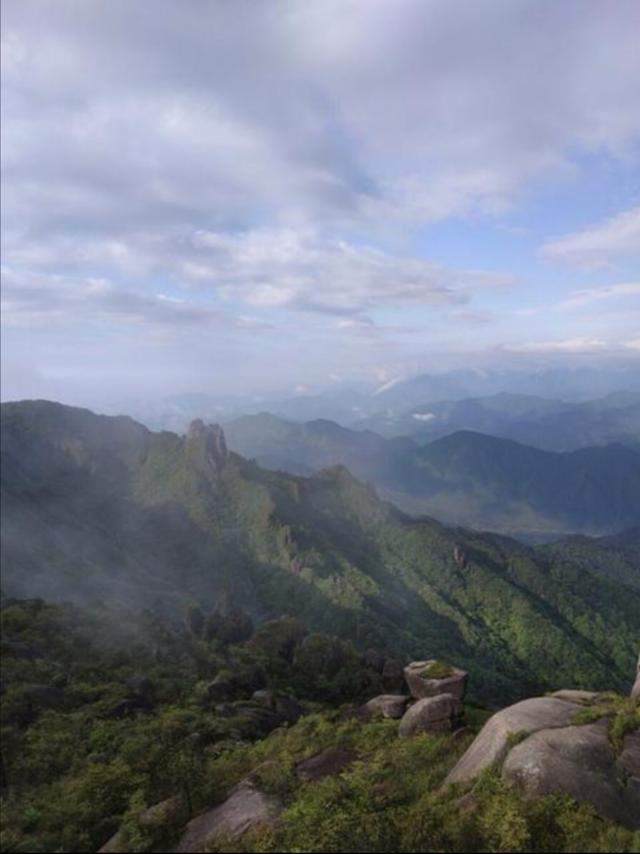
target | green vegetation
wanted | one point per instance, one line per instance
(622, 713)
(464, 477)
(78, 765)
(437, 670)
(96, 508)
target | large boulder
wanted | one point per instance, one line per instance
(498, 734)
(385, 706)
(430, 678)
(432, 714)
(579, 761)
(539, 747)
(246, 807)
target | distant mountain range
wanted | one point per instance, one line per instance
(553, 425)
(102, 509)
(465, 478)
(351, 403)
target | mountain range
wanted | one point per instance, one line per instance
(100, 509)
(465, 478)
(553, 425)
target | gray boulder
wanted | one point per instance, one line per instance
(422, 686)
(245, 808)
(384, 705)
(496, 737)
(432, 714)
(635, 691)
(579, 761)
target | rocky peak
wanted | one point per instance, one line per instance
(207, 445)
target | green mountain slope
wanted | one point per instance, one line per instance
(465, 478)
(97, 508)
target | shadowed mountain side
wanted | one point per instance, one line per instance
(101, 508)
(465, 478)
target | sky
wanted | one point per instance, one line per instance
(230, 196)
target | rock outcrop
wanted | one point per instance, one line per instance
(445, 679)
(328, 763)
(384, 705)
(207, 447)
(635, 691)
(245, 808)
(540, 747)
(579, 761)
(493, 742)
(155, 817)
(431, 714)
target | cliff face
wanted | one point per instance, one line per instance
(206, 447)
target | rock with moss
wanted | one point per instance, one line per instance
(494, 741)
(152, 821)
(579, 761)
(246, 808)
(384, 706)
(588, 749)
(432, 677)
(431, 714)
(328, 763)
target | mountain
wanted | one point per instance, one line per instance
(466, 478)
(100, 509)
(553, 425)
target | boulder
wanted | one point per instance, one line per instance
(422, 686)
(384, 705)
(579, 761)
(432, 714)
(496, 737)
(156, 816)
(635, 691)
(246, 807)
(328, 763)
(586, 698)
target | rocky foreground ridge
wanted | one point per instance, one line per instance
(578, 743)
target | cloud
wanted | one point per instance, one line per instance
(221, 166)
(599, 245)
(580, 298)
(43, 300)
(302, 270)
(573, 346)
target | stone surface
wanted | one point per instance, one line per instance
(578, 761)
(635, 691)
(385, 705)
(245, 808)
(154, 816)
(328, 763)
(492, 743)
(420, 687)
(431, 714)
(576, 696)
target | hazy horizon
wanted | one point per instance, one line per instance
(262, 198)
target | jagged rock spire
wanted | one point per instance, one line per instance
(207, 446)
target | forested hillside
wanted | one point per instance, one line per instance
(99, 508)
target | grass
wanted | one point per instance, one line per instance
(437, 670)
(623, 715)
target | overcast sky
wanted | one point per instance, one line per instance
(226, 196)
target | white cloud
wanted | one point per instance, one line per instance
(569, 346)
(600, 245)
